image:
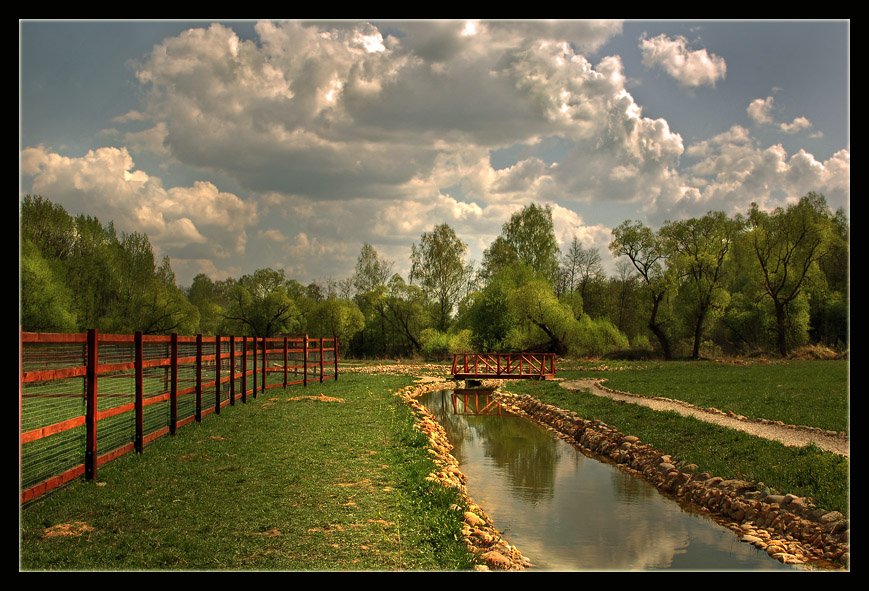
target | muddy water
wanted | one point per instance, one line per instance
(565, 511)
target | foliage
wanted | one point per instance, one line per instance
(339, 319)
(765, 281)
(527, 238)
(79, 274)
(260, 305)
(443, 345)
(788, 245)
(438, 263)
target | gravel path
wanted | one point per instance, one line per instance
(795, 436)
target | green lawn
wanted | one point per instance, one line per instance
(813, 393)
(276, 484)
(270, 485)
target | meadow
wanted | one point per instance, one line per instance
(284, 482)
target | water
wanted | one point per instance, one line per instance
(565, 511)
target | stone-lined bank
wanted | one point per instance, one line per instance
(478, 531)
(788, 528)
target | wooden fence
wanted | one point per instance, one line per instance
(133, 389)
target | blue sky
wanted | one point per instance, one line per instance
(242, 145)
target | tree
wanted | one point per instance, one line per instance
(45, 303)
(260, 304)
(580, 266)
(645, 249)
(340, 319)
(371, 270)
(438, 264)
(527, 238)
(788, 245)
(698, 250)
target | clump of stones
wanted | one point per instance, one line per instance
(788, 528)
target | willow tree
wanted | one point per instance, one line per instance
(788, 244)
(646, 251)
(698, 250)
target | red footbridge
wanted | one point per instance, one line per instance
(504, 366)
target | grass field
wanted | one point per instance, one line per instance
(277, 484)
(813, 393)
(273, 484)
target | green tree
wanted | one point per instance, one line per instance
(698, 250)
(339, 319)
(645, 249)
(493, 322)
(45, 303)
(528, 238)
(438, 265)
(261, 306)
(372, 271)
(788, 245)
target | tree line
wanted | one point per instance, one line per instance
(759, 282)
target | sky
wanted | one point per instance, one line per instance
(241, 145)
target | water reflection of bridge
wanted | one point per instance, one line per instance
(475, 402)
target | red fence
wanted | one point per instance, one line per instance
(133, 389)
(502, 366)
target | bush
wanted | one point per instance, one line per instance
(439, 345)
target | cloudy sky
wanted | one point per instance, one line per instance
(241, 145)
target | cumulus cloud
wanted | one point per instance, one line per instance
(732, 171)
(690, 67)
(341, 133)
(761, 112)
(104, 183)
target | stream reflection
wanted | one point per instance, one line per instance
(565, 511)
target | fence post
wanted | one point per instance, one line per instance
(217, 374)
(90, 454)
(232, 370)
(173, 388)
(321, 360)
(286, 360)
(140, 392)
(244, 369)
(306, 360)
(265, 361)
(335, 343)
(255, 387)
(199, 378)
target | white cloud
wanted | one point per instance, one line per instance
(733, 171)
(760, 110)
(343, 133)
(797, 125)
(690, 67)
(104, 183)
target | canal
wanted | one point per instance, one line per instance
(567, 512)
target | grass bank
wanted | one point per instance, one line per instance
(796, 392)
(808, 472)
(275, 484)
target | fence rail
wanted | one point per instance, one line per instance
(133, 389)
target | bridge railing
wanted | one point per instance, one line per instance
(504, 365)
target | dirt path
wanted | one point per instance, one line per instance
(788, 434)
